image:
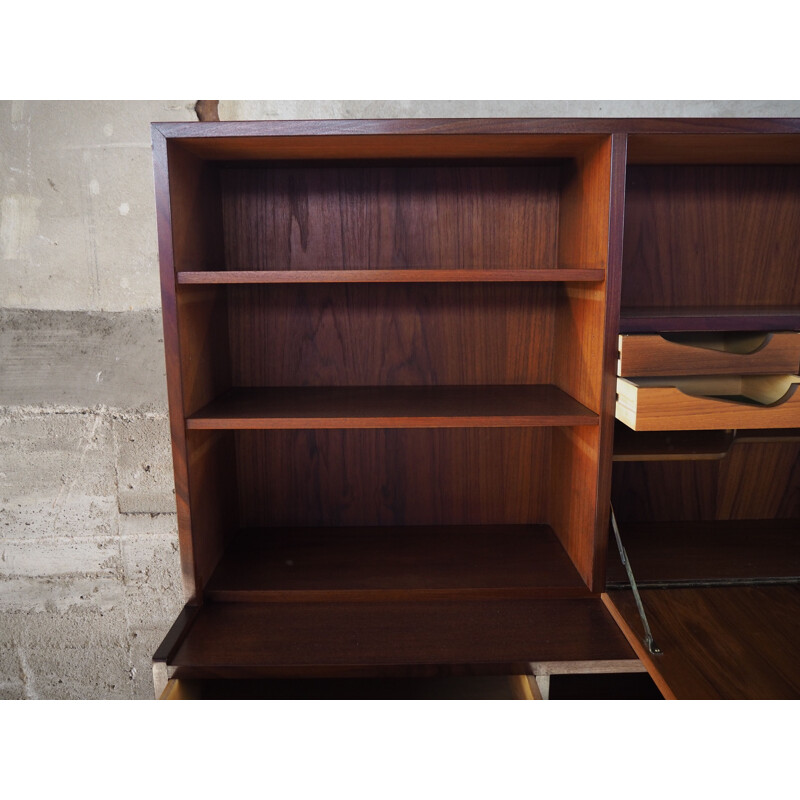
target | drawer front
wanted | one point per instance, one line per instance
(717, 403)
(651, 354)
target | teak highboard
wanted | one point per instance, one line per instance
(395, 355)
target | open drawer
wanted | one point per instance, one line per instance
(708, 403)
(708, 353)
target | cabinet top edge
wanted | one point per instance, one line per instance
(495, 126)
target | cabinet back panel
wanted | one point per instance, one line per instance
(356, 216)
(712, 236)
(753, 481)
(391, 335)
(393, 477)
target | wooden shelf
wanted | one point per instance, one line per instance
(708, 552)
(391, 407)
(329, 564)
(304, 639)
(335, 275)
(716, 318)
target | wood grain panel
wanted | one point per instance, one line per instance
(754, 481)
(710, 149)
(712, 235)
(649, 319)
(361, 142)
(702, 552)
(295, 638)
(392, 407)
(357, 216)
(572, 498)
(383, 335)
(368, 563)
(205, 362)
(478, 476)
(718, 643)
(212, 496)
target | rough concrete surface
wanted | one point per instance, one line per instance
(89, 572)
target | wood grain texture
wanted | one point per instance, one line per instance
(270, 142)
(212, 496)
(357, 216)
(446, 476)
(368, 563)
(651, 319)
(709, 552)
(429, 275)
(203, 336)
(295, 638)
(710, 149)
(572, 498)
(172, 175)
(718, 643)
(754, 481)
(712, 235)
(709, 354)
(717, 403)
(384, 335)
(670, 445)
(392, 407)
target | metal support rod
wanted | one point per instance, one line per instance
(652, 647)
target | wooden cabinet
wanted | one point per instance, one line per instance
(391, 359)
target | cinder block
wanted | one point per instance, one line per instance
(144, 465)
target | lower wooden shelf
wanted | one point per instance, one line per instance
(365, 563)
(258, 640)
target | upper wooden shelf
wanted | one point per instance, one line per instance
(391, 407)
(392, 276)
(710, 318)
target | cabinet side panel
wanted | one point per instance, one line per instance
(589, 234)
(212, 493)
(163, 182)
(393, 477)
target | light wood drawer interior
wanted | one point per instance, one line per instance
(715, 353)
(709, 403)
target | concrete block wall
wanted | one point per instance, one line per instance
(89, 574)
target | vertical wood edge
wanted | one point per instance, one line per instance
(616, 222)
(635, 641)
(172, 352)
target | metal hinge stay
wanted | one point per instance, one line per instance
(652, 647)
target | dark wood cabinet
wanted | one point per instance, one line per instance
(392, 352)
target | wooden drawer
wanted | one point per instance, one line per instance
(709, 403)
(651, 354)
